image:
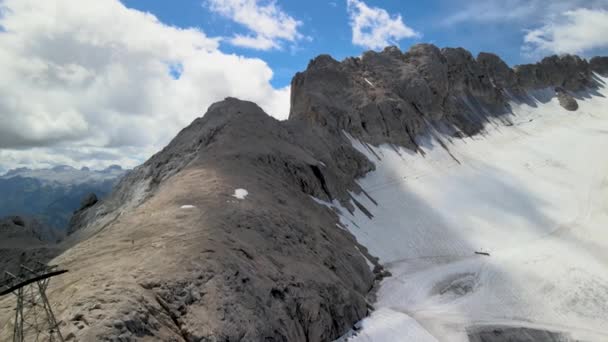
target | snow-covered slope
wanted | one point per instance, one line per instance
(532, 195)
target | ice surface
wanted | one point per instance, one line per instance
(533, 195)
(240, 193)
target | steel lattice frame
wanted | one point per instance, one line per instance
(34, 319)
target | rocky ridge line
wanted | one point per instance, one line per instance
(276, 266)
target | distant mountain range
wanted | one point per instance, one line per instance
(52, 195)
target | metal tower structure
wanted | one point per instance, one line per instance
(34, 318)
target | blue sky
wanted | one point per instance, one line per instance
(444, 23)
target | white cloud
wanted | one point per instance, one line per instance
(94, 75)
(575, 32)
(269, 24)
(253, 42)
(524, 11)
(374, 28)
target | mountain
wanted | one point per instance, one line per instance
(244, 228)
(24, 239)
(52, 195)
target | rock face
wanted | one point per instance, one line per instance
(172, 255)
(599, 65)
(392, 97)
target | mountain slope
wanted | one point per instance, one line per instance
(52, 195)
(179, 252)
(271, 265)
(22, 240)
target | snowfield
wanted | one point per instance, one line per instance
(533, 195)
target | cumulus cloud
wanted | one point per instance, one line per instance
(575, 31)
(96, 76)
(374, 28)
(268, 23)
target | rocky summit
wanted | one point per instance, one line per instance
(223, 235)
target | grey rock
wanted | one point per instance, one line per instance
(514, 333)
(570, 72)
(497, 70)
(18, 220)
(566, 100)
(88, 201)
(599, 65)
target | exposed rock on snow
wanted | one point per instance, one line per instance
(566, 100)
(519, 334)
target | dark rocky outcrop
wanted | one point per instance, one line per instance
(275, 266)
(566, 100)
(599, 65)
(88, 201)
(510, 334)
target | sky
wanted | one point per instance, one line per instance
(100, 82)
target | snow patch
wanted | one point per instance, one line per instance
(368, 82)
(240, 194)
(187, 206)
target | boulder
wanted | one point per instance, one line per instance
(88, 201)
(566, 100)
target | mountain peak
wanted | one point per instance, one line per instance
(390, 96)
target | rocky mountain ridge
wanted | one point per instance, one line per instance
(178, 257)
(392, 96)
